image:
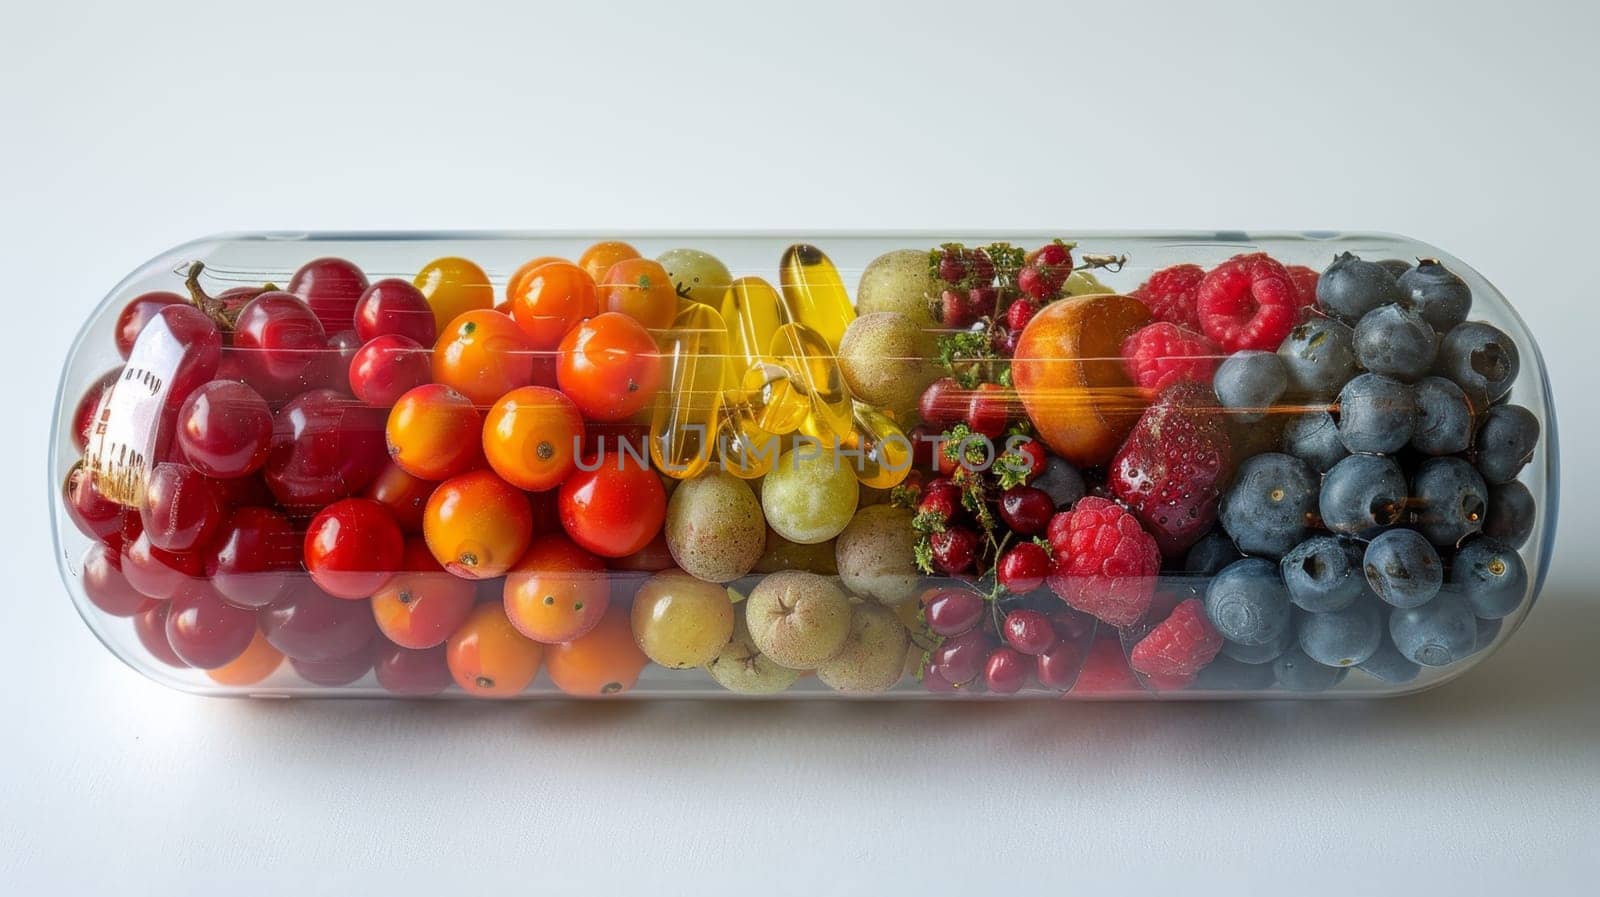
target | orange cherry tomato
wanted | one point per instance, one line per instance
(477, 525)
(258, 661)
(604, 662)
(610, 366)
(433, 432)
(642, 290)
(403, 494)
(613, 504)
(422, 604)
(531, 436)
(518, 281)
(551, 300)
(484, 355)
(557, 592)
(488, 657)
(599, 258)
(454, 286)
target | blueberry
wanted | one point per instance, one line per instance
(1209, 555)
(1296, 671)
(1388, 664)
(1436, 634)
(1491, 577)
(1444, 417)
(1270, 505)
(1481, 359)
(1249, 382)
(1442, 298)
(1247, 603)
(1313, 437)
(1061, 481)
(1261, 654)
(1363, 495)
(1396, 341)
(1350, 287)
(1342, 638)
(1511, 514)
(1449, 500)
(1396, 267)
(1488, 631)
(1403, 568)
(1319, 356)
(1323, 573)
(1227, 674)
(1376, 414)
(1506, 440)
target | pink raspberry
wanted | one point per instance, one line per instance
(1170, 295)
(1305, 285)
(1105, 670)
(1248, 302)
(1105, 564)
(1180, 645)
(1161, 354)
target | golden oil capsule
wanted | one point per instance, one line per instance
(745, 449)
(684, 422)
(878, 450)
(807, 359)
(816, 292)
(753, 312)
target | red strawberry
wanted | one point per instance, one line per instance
(1171, 469)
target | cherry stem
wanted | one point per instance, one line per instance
(1112, 263)
(213, 308)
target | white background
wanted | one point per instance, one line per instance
(126, 128)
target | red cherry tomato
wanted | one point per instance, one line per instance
(615, 506)
(353, 547)
(387, 367)
(609, 365)
(422, 605)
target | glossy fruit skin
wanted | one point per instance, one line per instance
(254, 556)
(477, 525)
(258, 661)
(483, 355)
(84, 413)
(640, 289)
(551, 300)
(557, 592)
(454, 286)
(531, 437)
(154, 572)
(599, 258)
(331, 287)
(180, 509)
(610, 367)
(615, 507)
(433, 433)
(95, 515)
(1028, 631)
(207, 632)
(488, 658)
(339, 671)
(393, 307)
(106, 587)
(1023, 568)
(412, 673)
(309, 624)
(325, 447)
(150, 625)
(281, 345)
(225, 429)
(384, 369)
(199, 346)
(422, 604)
(353, 547)
(137, 313)
(517, 284)
(604, 662)
(403, 495)
(952, 611)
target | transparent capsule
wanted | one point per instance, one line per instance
(753, 311)
(816, 292)
(745, 449)
(878, 450)
(684, 423)
(808, 361)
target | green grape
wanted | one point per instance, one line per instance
(697, 275)
(680, 621)
(810, 495)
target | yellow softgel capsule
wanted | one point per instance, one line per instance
(807, 359)
(816, 293)
(684, 422)
(753, 311)
(877, 449)
(745, 449)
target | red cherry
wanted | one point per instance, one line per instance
(139, 312)
(150, 625)
(181, 509)
(394, 306)
(1028, 631)
(333, 367)
(954, 550)
(1058, 666)
(225, 429)
(959, 659)
(154, 572)
(280, 341)
(1026, 510)
(988, 410)
(311, 625)
(332, 287)
(1023, 568)
(1007, 671)
(97, 516)
(255, 557)
(388, 367)
(206, 632)
(953, 611)
(106, 587)
(353, 547)
(325, 447)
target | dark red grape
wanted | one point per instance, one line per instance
(88, 407)
(150, 625)
(960, 658)
(394, 306)
(137, 313)
(325, 447)
(185, 349)
(338, 671)
(225, 429)
(1026, 510)
(405, 671)
(106, 587)
(95, 515)
(207, 632)
(181, 510)
(334, 367)
(387, 368)
(332, 287)
(953, 611)
(254, 558)
(1007, 670)
(160, 574)
(311, 625)
(1028, 631)
(279, 342)
(1058, 666)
